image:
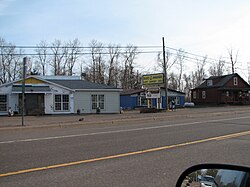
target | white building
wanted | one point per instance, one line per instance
(58, 95)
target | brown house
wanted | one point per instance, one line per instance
(227, 89)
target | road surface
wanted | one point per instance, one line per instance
(136, 153)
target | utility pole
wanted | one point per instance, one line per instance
(23, 88)
(165, 74)
(248, 64)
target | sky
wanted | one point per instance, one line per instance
(203, 27)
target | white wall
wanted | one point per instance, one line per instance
(14, 102)
(49, 100)
(83, 101)
(6, 90)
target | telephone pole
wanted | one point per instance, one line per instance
(25, 59)
(165, 74)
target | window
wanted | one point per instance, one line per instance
(235, 81)
(97, 101)
(203, 94)
(61, 102)
(209, 82)
(3, 103)
(194, 94)
(177, 100)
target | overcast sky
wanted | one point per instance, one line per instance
(204, 27)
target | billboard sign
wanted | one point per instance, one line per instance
(153, 79)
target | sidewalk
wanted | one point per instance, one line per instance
(72, 119)
(15, 122)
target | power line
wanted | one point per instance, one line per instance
(211, 60)
(77, 47)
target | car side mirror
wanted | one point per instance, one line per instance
(215, 175)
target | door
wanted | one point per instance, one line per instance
(34, 104)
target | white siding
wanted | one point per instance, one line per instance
(49, 100)
(6, 90)
(83, 101)
(14, 102)
(48, 103)
(112, 102)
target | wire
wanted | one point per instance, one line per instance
(103, 47)
(187, 54)
(77, 47)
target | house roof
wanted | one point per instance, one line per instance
(222, 81)
(65, 82)
(132, 91)
(79, 84)
(172, 90)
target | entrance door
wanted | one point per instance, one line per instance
(34, 104)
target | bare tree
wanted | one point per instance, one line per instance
(187, 86)
(180, 62)
(128, 76)
(57, 59)
(172, 81)
(10, 63)
(217, 69)
(233, 58)
(169, 62)
(41, 59)
(97, 62)
(72, 54)
(199, 74)
(113, 61)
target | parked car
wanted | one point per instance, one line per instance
(188, 104)
(206, 181)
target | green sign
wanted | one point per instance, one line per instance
(153, 79)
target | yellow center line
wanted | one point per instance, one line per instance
(218, 138)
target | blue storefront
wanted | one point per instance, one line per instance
(131, 99)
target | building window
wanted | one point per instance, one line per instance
(194, 94)
(97, 101)
(209, 82)
(235, 81)
(177, 101)
(203, 94)
(3, 103)
(61, 102)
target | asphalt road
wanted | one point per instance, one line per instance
(136, 154)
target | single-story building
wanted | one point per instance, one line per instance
(58, 95)
(137, 98)
(226, 89)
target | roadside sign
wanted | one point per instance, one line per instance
(153, 79)
(153, 93)
(150, 95)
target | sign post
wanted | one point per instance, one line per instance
(153, 84)
(23, 88)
